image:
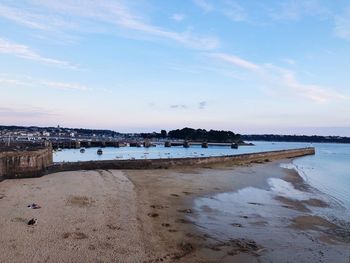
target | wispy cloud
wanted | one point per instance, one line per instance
(64, 85)
(286, 78)
(205, 5)
(202, 105)
(24, 112)
(296, 10)
(23, 51)
(178, 17)
(342, 25)
(178, 106)
(22, 17)
(290, 61)
(25, 81)
(236, 61)
(229, 8)
(107, 12)
(234, 11)
(282, 78)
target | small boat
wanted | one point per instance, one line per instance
(234, 146)
(82, 150)
(99, 152)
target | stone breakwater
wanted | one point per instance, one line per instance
(38, 162)
(19, 163)
(181, 162)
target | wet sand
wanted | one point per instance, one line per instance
(213, 214)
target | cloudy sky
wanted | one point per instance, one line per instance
(249, 66)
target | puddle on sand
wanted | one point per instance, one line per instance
(255, 214)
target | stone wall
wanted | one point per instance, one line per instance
(34, 163)
(25, 163)
(180, 162)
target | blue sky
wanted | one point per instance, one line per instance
(248, 66)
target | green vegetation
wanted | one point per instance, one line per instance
(204, 135)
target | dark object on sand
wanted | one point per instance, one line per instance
(32, 222)
(82, 150)
(99, 152)
(34, 206)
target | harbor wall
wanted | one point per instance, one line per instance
(181, 162)
(25, 163)
(36, 163)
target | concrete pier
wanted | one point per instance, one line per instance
(37, 162)
(182, 162)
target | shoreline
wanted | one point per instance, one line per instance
(154, 216)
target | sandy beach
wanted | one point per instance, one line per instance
(212, 214)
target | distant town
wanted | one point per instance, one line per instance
(10, 134)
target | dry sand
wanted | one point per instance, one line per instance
(150, 216)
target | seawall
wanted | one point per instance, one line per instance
(180, 162)
(19, 163)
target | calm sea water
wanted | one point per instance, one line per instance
(123, 153)
(328, 170)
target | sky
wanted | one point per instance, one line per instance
(248, 66)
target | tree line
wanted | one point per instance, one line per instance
(196, 135)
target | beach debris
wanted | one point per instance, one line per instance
(153, 215)
(34, 206)
(165, 224)
(236, 224)
(32, 222)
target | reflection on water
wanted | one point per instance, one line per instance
(282, 188)
(251, 200)
(257, 214)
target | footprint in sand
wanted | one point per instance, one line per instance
(80, 201)
(158, 206)
(74, 235)
(113, 227)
